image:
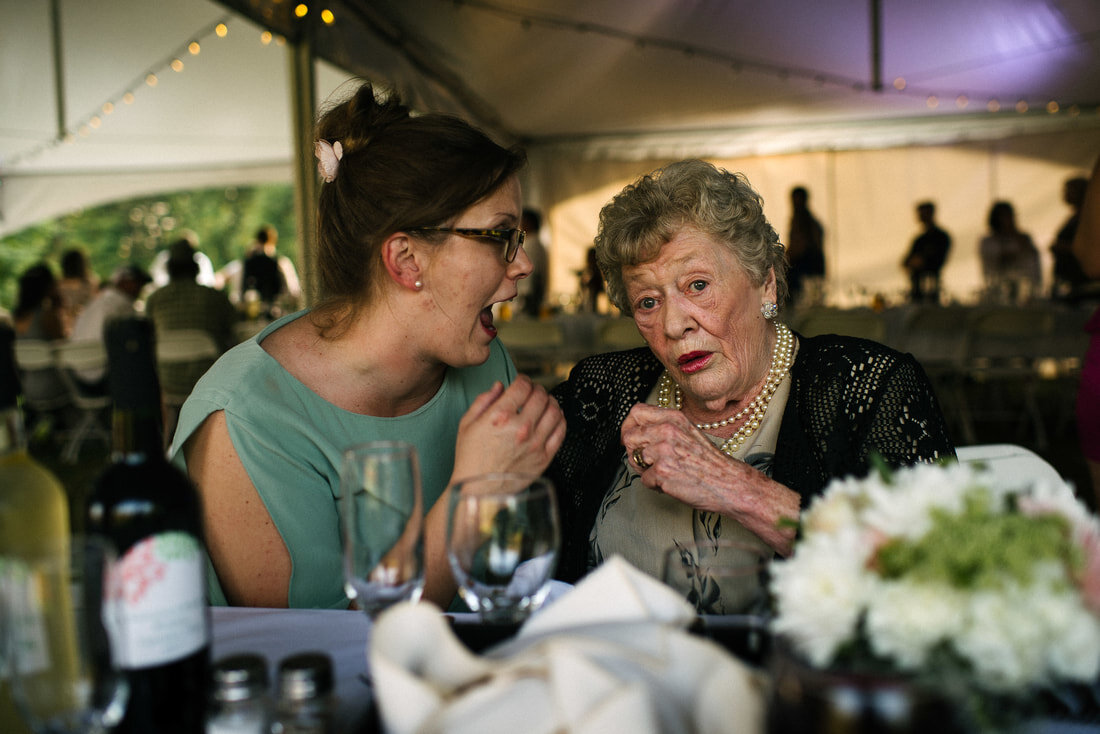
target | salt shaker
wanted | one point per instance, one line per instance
(240, 701)
(305, 704)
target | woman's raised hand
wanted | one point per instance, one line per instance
(517, 428)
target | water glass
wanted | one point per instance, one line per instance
(60, 624)
(719, 576)
(382, 517)
(503, 539)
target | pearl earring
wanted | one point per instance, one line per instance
(769, 310)
(418, 285)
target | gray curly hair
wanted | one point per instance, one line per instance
(648, 213)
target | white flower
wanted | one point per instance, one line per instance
(1004, 647)
(328, 158)
(820, 593)
(1010, 632)
(906, 620)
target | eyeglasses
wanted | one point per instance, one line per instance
(512, 239)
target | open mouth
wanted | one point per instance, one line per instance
(693, 361)
(486, 317)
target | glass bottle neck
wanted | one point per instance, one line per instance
(13, 436)
(135, 435)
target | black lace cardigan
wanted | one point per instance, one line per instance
(849, 397)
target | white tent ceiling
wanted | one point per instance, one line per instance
(625, 82)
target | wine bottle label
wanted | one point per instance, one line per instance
(158, 591)
(22, 590)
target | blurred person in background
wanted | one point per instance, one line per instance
(116, 300)
(532, 290)
(1086, 246)
(1069, 281)
(159, 267)
(78, 285)
(185, 304)
(926, 256)
(1010, 260)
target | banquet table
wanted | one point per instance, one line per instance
(344, 635)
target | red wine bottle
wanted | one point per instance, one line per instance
(151, 511)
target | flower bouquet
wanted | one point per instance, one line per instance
(942, 574)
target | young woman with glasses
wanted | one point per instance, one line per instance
(418, 239)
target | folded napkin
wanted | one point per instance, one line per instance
(612, 654)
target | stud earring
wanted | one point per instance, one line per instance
(418, 285)
(769, 310)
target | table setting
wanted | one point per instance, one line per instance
(936, 596)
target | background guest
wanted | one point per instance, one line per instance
(1069, 281)
(37, 315)
(1010, 260)
(727, 423)
(532, 289)
(401, 346)
(1086, 247)
(184, 304)
(116, 300)
(805, 248)
(926, 256)
(78, 285)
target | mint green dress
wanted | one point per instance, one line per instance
(290, 441)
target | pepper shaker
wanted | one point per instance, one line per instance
(305, 704)
(240, 701)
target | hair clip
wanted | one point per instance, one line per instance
(328, 158)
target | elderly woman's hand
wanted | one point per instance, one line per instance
(513, 429)
(674, 457)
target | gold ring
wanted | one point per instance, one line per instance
(639, 459)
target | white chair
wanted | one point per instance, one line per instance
(192, 347)
(1011, 465)
(72, 359)
(44, 392)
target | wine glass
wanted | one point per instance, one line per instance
(502, 543)
(719, 576)
(60, 624)
(382, 518)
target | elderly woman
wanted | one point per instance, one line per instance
(728, 423)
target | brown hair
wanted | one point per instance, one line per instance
(648, 213)
(398, 171)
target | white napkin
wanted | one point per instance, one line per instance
(610, 655)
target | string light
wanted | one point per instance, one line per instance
(265, 37)
(150, 79)
(1052, 107)
(301, 10)
(327, 17)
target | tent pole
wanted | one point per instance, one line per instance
(876, 45)
(58, 67)
(302, 110)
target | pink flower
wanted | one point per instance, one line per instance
(328, 158)
(1090, 576)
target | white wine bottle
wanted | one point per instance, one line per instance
(34, 529)
(150, 511)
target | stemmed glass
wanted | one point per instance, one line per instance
(382, 520)
(59, 622)
(502, 543)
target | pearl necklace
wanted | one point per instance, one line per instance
(669, 394)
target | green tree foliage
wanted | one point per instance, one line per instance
(225, 221)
